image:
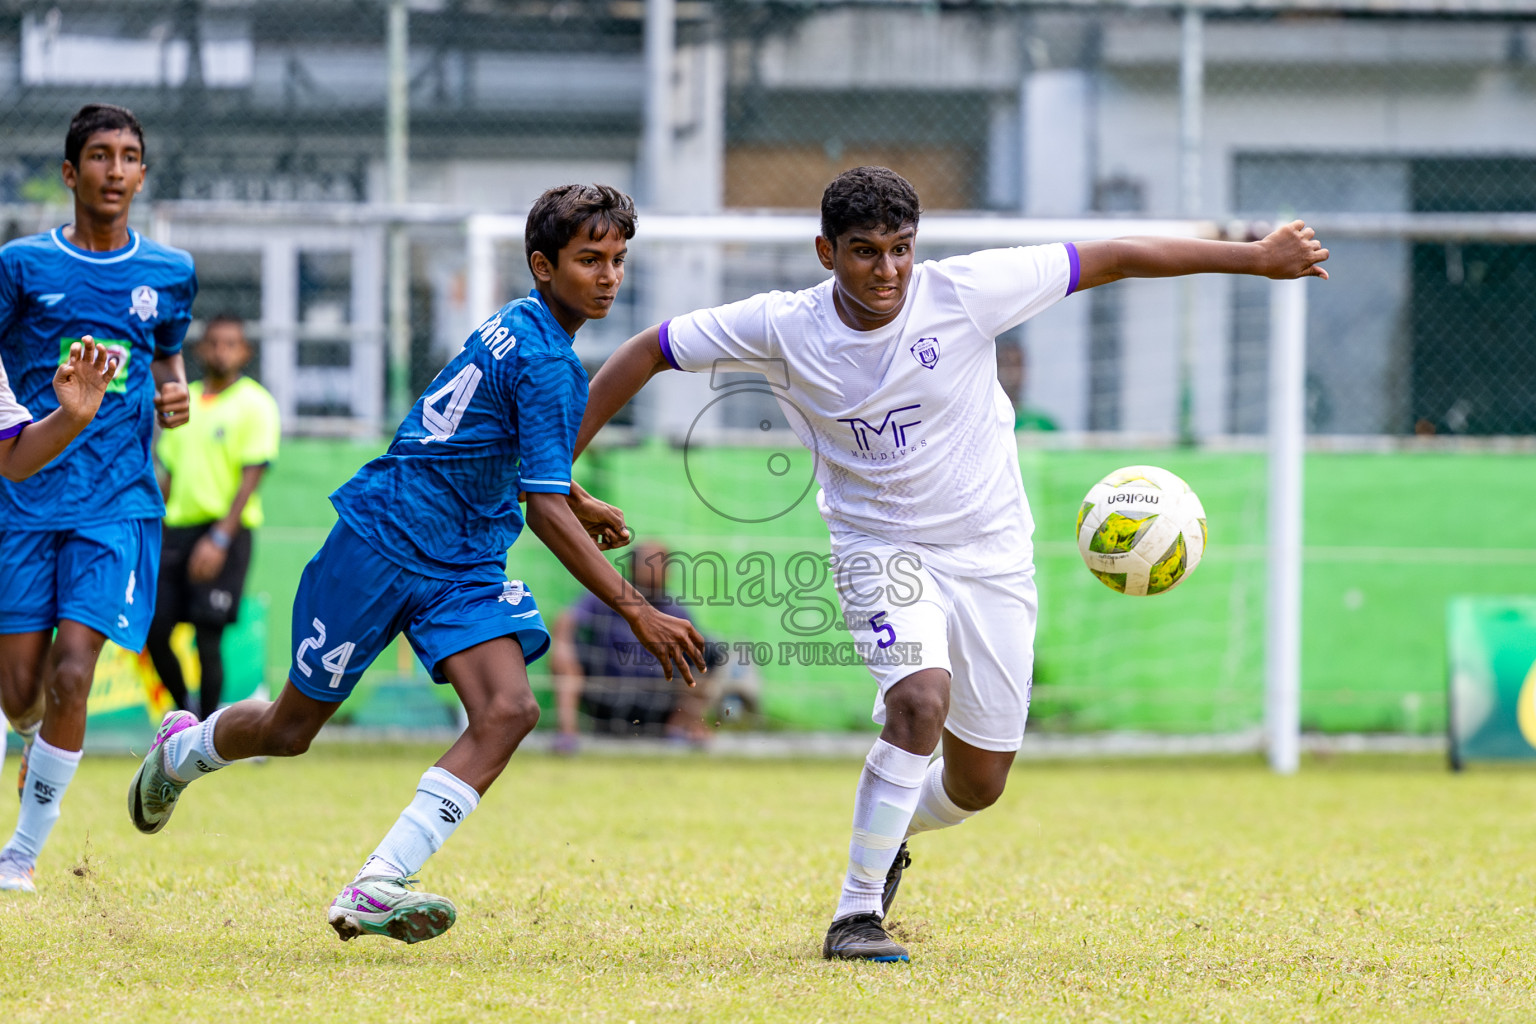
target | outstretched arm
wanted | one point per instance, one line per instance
(674, 642)
(1289, 251)
(79, 384)
(621, 377)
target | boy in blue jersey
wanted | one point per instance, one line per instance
(420, 548)
(80, 539)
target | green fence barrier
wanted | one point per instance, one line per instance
(1376, 578)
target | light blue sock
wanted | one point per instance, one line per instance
(190, 755)
(442, 801)
(888, 792)
(49, 771)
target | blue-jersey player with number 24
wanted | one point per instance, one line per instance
(80, 539)
(421, 548)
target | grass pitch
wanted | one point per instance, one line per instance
(696, 889)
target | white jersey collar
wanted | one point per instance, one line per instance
(115, 256)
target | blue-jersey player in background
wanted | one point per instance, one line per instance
(80, 539)
(420, 548)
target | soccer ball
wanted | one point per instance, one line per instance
(1141, 530)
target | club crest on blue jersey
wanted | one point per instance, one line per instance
(146, 302)
(926, 351)
(513, 592)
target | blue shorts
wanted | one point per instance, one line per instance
(352, 602)
(100, 576)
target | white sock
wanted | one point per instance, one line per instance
(189, 754)
(882, 807)
(442, 801)
(49, 770)
(935, 810)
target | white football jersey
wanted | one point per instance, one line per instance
(13, 415)
(912, 432)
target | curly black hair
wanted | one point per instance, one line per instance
(868, 197)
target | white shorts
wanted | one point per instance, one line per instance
(904, 617)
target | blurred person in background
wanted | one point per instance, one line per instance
(1011, 371)
(212, 470)
(598, 667)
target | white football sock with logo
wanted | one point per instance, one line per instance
(442, 801)
(190, 755)
(888, 793)
(935, 810)
(49, 771)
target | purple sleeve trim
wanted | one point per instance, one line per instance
(11, 431)
(1077, 268)
(666, 345)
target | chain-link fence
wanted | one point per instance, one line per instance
(1241, 111)
(1406, 132)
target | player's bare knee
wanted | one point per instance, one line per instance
(288, 741)
(512, 716)
(288, 737)
(977, 792)
(21, 701)
(923, 706)
(69, 684)
(20, 685)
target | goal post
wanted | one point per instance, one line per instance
(1287, 441)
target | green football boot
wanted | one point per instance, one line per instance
(388, 906)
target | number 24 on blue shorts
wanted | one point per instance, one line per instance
(352, 602)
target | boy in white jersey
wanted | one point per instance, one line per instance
(891, 368)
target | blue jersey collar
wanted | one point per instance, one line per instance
(115, 256)
(537, 297)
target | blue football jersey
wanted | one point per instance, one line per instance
(500, 418)
(136, 300)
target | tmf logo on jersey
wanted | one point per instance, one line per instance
(926, 351)
(863, 428)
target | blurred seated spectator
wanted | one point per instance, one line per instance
(600, 670)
